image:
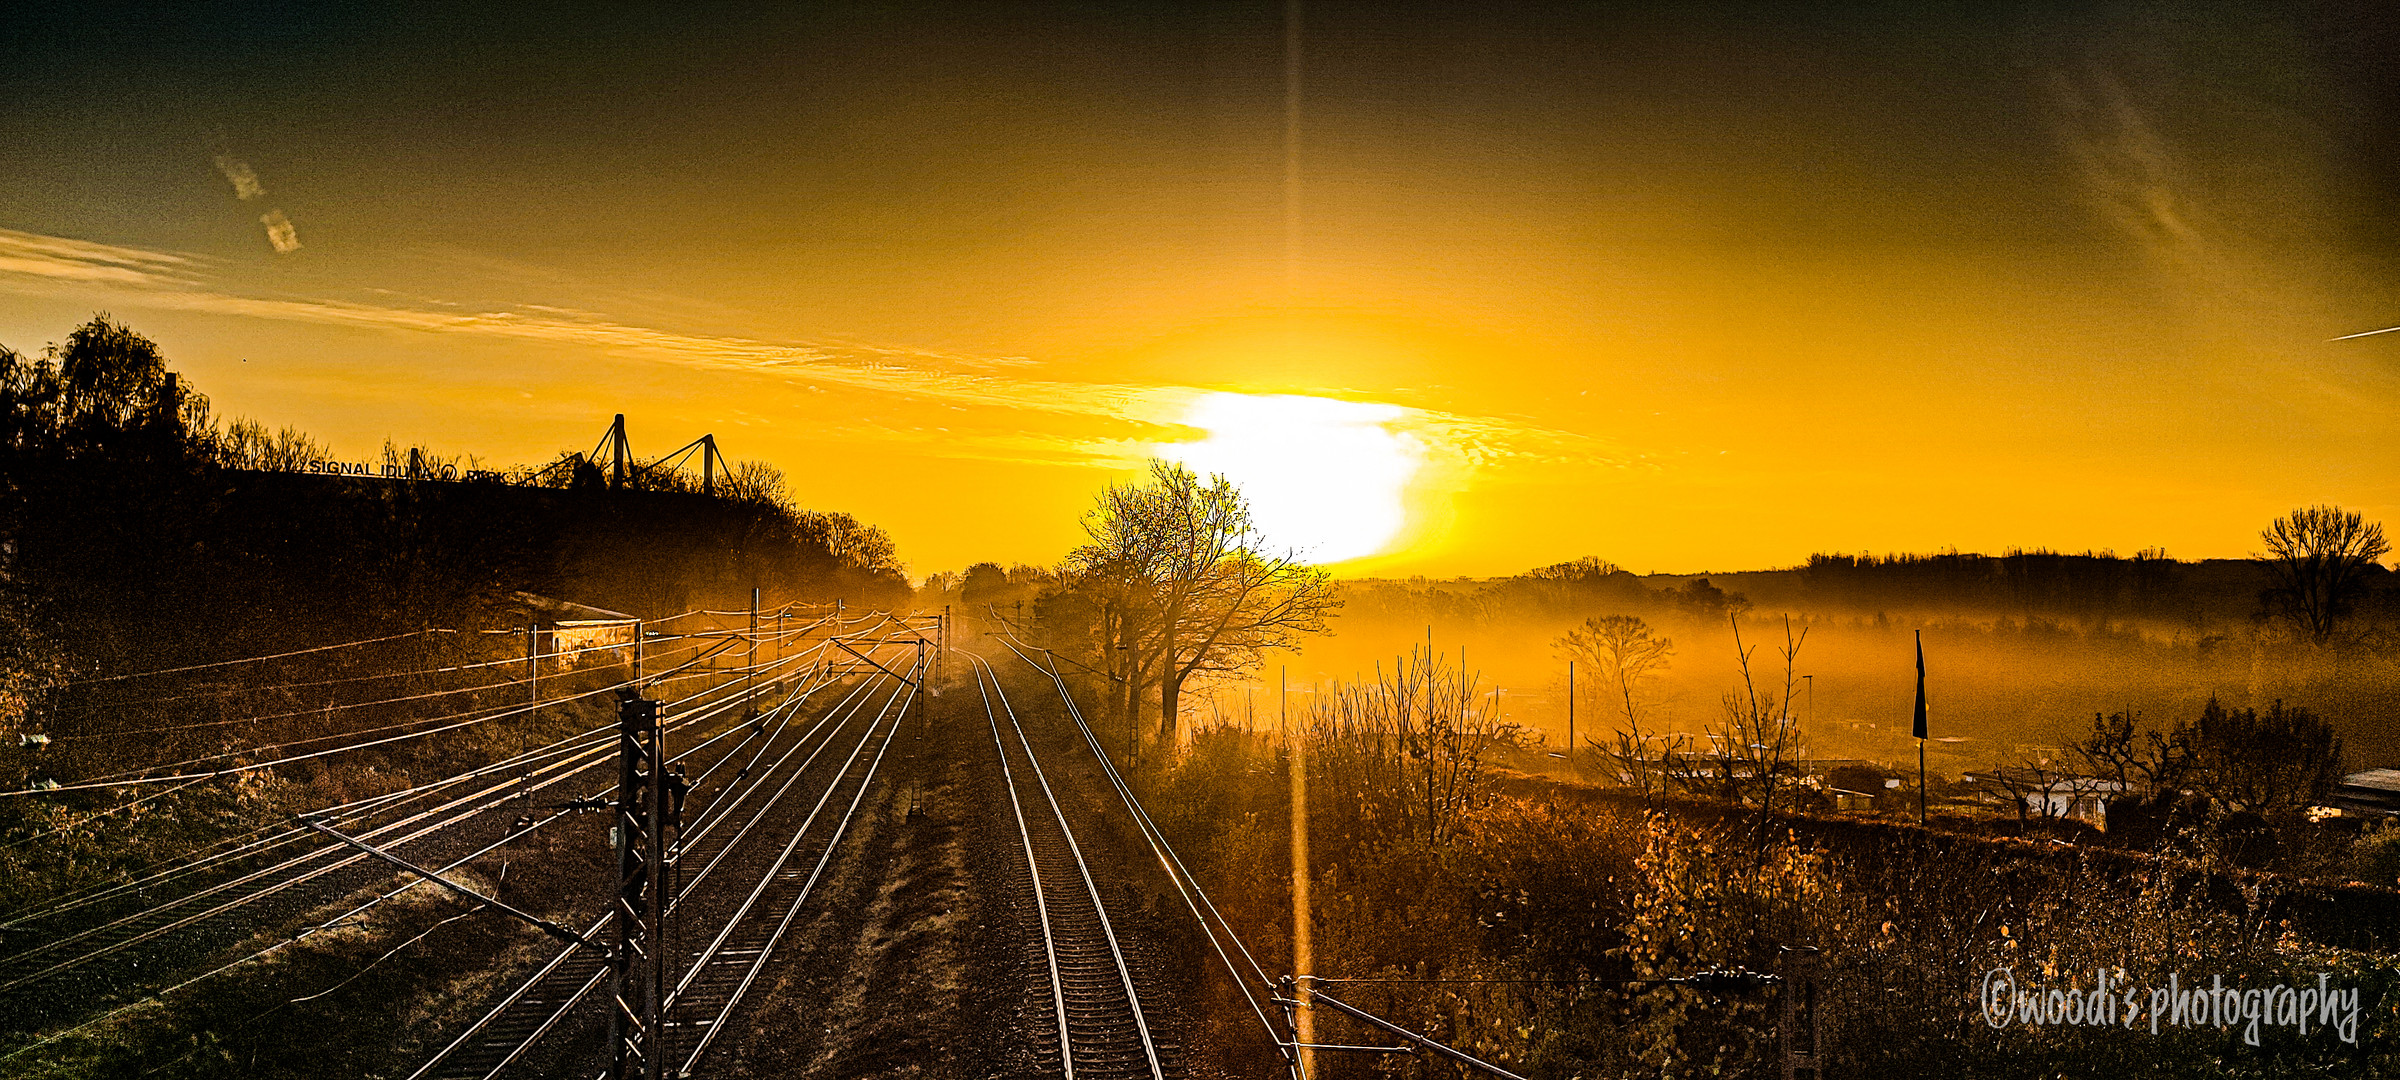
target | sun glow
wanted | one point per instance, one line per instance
(1329, 478)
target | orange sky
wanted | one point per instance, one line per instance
(1713, 289)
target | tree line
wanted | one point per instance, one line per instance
(136, 530)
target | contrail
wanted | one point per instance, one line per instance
(2365, 333)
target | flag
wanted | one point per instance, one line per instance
(1920, 684)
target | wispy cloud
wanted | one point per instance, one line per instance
(59, 259)
(999, 389)
(245, 179)
(280, 232)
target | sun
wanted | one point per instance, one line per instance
(1324, 477)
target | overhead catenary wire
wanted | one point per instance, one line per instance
(128, 780)
(595, 735)
(705, 824)
(186, 863)
(420, 830)
(767, 948)
(345, 808)
(354, 912)
(269, 687)
(321, 710)
(252, 659)
(370, 803)
(701, 830)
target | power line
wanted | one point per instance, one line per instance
(372, 803)
(87, 706)
(128, 780)
(251, 659)
(364, 805)
(323, 710)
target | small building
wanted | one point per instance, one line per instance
(572, 634)
(2050, 794)
(2375, 792)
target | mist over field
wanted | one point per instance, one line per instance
(2021, 651)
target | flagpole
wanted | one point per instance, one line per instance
(1920, 728)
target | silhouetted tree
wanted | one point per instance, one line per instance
(1184, 552)
(2320, 557)
(1707, 603)
(2268, 766)
(2143, 760)
(985, 583)
(1621, 654)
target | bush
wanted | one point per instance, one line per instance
(2375, 855)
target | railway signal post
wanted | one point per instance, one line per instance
(637, 1039)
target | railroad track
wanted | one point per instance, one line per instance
(751, 830)
(107, 941)
(1099, 1030)
(557, 992)
(763, 821)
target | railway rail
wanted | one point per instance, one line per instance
(744, 792)
(1100, 1028)
(456, 823)
(732, 840)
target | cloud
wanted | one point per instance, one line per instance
(60, 259)
(280, 232)
(245, 179)
(1131, 417)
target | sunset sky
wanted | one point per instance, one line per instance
(1707, 287)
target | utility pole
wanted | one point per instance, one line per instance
(750, 677)
(708, 469)
(1571, 717)
(533, 690)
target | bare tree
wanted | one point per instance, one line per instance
(1758, 739)
(1116, 573)
(755, 481)
(2142, 761)
(1199, 595)
(2320, 557)
(2033, 786)
(1408, 746)
(1623, 655)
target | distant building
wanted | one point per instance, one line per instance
(2050, 794)
(2370, 793)
(573, 634)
